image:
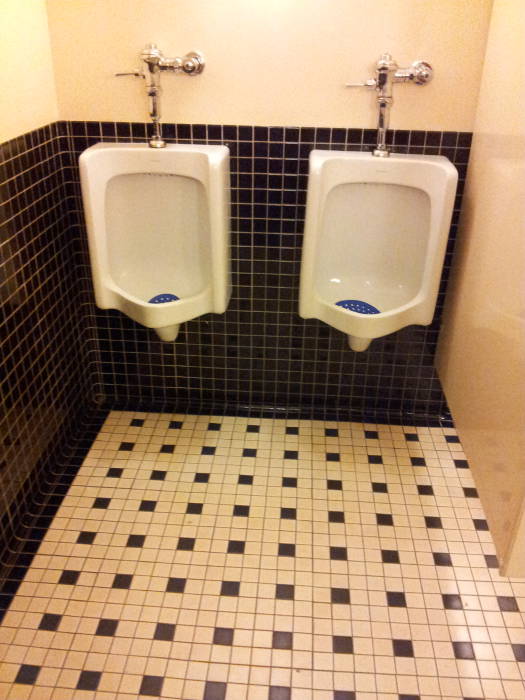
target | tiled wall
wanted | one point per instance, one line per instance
(260, 356)
(45, 372)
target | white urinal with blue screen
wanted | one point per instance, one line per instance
(375, 237)
(158, 231)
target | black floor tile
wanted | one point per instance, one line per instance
(463, 650)
(390, 556)
(278, 692)
(334, 485)
(122, 581)
(246, 479)
(158, 475)
(519, 651)
(340, 596)
(289, 482)
(507, 603)
(286, 549)
(241, 511)
(284, 591)
(176, 585)
(384, 519)
(50, 622)
(470, 492)
(282, 640)
(194, 508)
(164, 632)
(402, 647)
(379, 487)
(480, 524)
(338, 553)
(101, 503)
(442, 559)
(223, 635)
(201, 478)
(126, 446)
(396, 599)
(418, 462)
(86, 537)
(69, 577)
(186, 544)
(27, 674)
(89, 680)
(151, 685)
(214, 690)
(230, 588)
(452, 601)
(148, 506)
(342, 645)
(288, 513)
(336, 516)
(106, 627)
(236, 547)
(136, 541)
(433, 523)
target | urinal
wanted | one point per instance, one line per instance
(375, 236)
(158, 231)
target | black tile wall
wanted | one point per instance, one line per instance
(46, 376)
(260, 357)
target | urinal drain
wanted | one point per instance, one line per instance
(360, 307)
(163, 298)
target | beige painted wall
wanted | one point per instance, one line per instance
(481, 359)
(270, 61)
(28, 85)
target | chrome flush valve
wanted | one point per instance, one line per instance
(388, 73)
(155, 62)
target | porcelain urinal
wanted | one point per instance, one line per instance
(375, 237)
(158, 231)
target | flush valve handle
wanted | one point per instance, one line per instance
(136, 73)
(368, 84)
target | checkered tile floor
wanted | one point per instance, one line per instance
(221, 558)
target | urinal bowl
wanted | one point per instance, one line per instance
(158, 231)
(374, 241)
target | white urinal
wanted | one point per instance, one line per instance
(374, 241)
(158, 231)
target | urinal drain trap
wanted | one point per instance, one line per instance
(360, 307)
(163, 298)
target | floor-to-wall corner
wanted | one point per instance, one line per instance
(47, 373)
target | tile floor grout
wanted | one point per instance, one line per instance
(215, 557)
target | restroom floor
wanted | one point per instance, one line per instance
(220, 558)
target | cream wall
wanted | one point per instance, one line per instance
(481, 359)
(28, 85)
(270, 61)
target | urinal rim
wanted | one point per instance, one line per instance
(413, 302)
(115, 288)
